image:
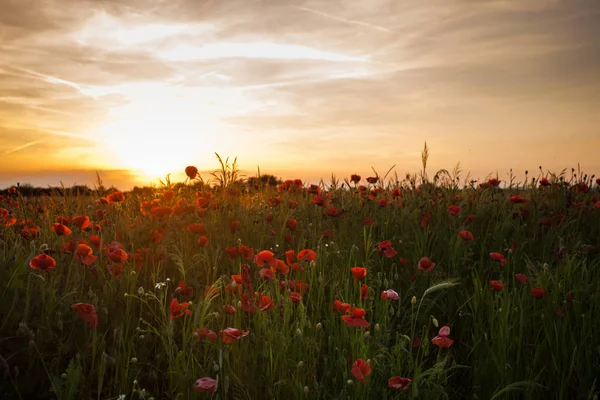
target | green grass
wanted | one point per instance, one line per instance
(507, 344)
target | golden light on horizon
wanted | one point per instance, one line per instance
(157, 137)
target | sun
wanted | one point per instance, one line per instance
(158, 137)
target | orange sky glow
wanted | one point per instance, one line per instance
(137, 89)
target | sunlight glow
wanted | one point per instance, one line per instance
(158, 137)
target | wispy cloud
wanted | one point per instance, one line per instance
(345, 20)
(23, 146)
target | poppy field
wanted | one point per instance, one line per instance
(364, 287)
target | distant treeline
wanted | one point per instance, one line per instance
(84, 190)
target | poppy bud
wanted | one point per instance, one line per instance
(350, 382)
(134, 360)
(366, 334)
(306, 390)
(300, 364)
(142, 337)
(377, 327)
(298, 332)
(434, 321)
(140, 291)
(319, 326)
(413, 301)
(64, 376)
(215, 367)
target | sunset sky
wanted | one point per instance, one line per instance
(140, 88)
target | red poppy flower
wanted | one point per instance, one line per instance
(234, 226)
(386, 247)
(82, 221)
(60, 229)
(518, 199)
(203, 241)
(396, 193)
(266, 303)
(179, 309)
(341, 307)
(118, 256)
(306, 255)
(360, 370)
(229, 309)
(522, 279)
(161, 212)
(295, 297)
(398, 382)
(498, 257)
(232, 252)
(319, 201)
(291, 224)
(115, 270)
(266, 274)
(265, 257)
(84, 253)
(367, 221)
(87, 312)
(281, 267)
(425, 264)
(191, 172)
(230, 335)
(454, 210)
(364, 292)
(185, 290)
(467, 236)
(538, 292)
(205, 384)
(442, 342)
(115, 197)
(372, 179)
(497, 285)
(357, 318)
(544, 182)
(206, 333)
(355, 178)
(359, 273)
(42, 262)
(389, 294)
(196, 228)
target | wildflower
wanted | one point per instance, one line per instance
(203, 241)
(234, 226)
(206, 384)
(442, 340)
(206, 333)
(518, 199)
(306, 255)
(60, 229)
(538, 292)
(359, 273)
(386, 248)
(498, 257)
(522, 279)
(295, 297)
(118, 256)
(355, 178)
(454, 210)
(266, 303)
(229, 309)
(497, 285)
(179, 309)
(82, 221)
(84, 254)
(196, 228)
(116, 197)
(87, 312)
(42, 262)
(341, 307)
(465, 235)
(291, 224)
(191, 171)
(364, 292)
(357, 318)
(372, 179)
(425, 264)
(398, 382)
(116, 270)
(360, 370)
(265, 257)
(230, 335)
(389, 294)
(185, 290)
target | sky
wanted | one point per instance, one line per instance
(137, 89)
